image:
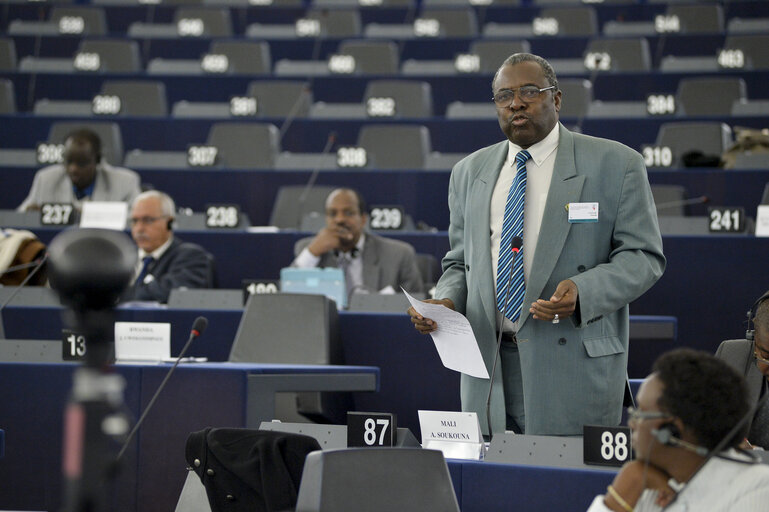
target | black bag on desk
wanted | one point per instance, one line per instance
(245, 470)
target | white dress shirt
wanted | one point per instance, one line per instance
(156, 254)
(539, 174)
(721, 486)
(354, 272)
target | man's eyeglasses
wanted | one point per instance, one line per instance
(145, 220)
(504, 98)
(760, 354)
(635, 415)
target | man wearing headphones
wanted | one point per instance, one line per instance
(750, 357)
(83, 176)
(690, 419)
(165, 262)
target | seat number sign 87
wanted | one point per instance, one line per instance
(370, 429)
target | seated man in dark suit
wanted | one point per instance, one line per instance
(371, 263)
(750, 357)
(165, 262)
(83, 176)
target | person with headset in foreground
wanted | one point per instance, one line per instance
(165, 262)
(750, 357)
(691, 417)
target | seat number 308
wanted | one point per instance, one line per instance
(614, 446)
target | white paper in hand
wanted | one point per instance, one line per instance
(454, 339)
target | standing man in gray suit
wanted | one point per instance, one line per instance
(84, 175)
(590, 245)
(370, 262)
(750, 357)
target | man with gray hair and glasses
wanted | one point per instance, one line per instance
(165, 262)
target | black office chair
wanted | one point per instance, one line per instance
(292, 328)
(7, 54)
(294, 202)
(138, 97)
(376, 480)
(108, 132)
(7, 97)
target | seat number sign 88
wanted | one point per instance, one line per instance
(606, 446)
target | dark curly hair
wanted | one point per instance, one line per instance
(707, 395)
(82, 135)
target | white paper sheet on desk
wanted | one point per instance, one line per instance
(454, 339)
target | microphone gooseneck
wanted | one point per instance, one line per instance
(198, 326)
(515, 244)
(38, 264)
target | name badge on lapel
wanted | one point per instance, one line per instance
(582, 212)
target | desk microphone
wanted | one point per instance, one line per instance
(515, 244)
(314, 175)
(294, 111)
(38, 264)
(198, 327)
(11, 270)
(683, 202)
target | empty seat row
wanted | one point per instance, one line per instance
(436, 18)
(387, 99)
(385, 57)
(257, 145)
(238, 145)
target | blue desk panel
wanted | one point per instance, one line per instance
(709, 284)
(153, 468)
(412, 376)
(511, 488)
(31, 411)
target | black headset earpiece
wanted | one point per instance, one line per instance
(170, 224)
(666, 433)
(670, 435)
(751, 331)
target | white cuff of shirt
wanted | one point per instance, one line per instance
(306, 259)
(598, 505)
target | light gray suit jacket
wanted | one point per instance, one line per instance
(52, 185)
(385, 262)
(573, 372)
(739, 355)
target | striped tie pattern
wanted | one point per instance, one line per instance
(512, 226)
(146, 262)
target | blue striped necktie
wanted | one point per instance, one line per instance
(146, 261)
(512, 226)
